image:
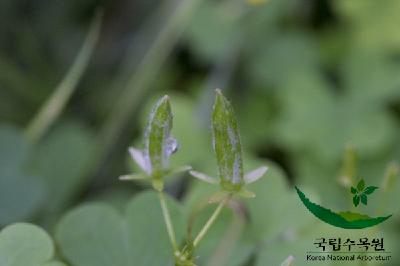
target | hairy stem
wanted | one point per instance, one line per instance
(168, 221)
(210, 221)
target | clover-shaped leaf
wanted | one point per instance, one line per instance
(21, 194)
(108, 237)
(159, 146)
(60, 160)
(228, 151)
(23, 244)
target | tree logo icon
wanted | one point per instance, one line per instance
(361, 193)
(346, 219)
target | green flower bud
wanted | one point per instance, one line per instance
(226, 144)
(159, 145)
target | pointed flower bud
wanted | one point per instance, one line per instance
(227, 146)
(228, 150)
(159, 146)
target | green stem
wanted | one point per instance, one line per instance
(168, 221)
(228, 241)
(139, 83)
(210, 221)
(53, 107)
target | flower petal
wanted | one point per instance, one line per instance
(203, 177)
(138, 156)
(255, 174)
(133, 177)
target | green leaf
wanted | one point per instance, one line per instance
(362, 89)
(364, 199)
(353, 190)
(158, 141)
(300, 96)
(226, 142)
(369, 190)
(368, 127)
(368, 32)
(96, 234)
(267, 221)
(356, 200)
(25, 244)
(284, 56)
(248, 114)
(60, 160)
(361, 185)
(319, 177)
(20, 193)
(212, 26)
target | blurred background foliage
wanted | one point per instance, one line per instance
(307, 79)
